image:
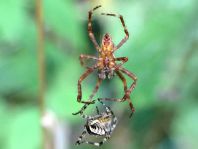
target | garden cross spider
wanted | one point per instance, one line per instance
(101, 124)
(106, 62)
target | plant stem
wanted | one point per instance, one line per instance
(41, 65)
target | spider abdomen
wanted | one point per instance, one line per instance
(96, 130)
(105, 68)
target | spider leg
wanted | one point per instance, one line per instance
(123, 79)
(124, 26)
(81, 112)
(82, 77)
(115, 121)
(98, 143)
(82, 57)
(97, 110)
(108, 110)
(95, 89)
(122, 59)
(91, 35)
(79, 141)
(82, 109)
(85, 116)
(128, 92)
(132, 76)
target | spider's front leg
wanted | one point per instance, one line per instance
(91, 35)
(82, 77)
(123, 25)
(82, 110)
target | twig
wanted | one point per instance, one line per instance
(41, 65)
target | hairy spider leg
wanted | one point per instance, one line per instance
(82, 77)
(91, 35)
(132, 76)
(124, 26)
(79, 97)
(99, 81)
(122, 59)
(122, 79)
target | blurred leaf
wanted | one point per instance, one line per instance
(61, 17)
(24, 131)
(20, 66)
(185, 130)
(13, 13)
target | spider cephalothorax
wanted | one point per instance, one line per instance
(107, 44)
(102, 124)
(106, 63)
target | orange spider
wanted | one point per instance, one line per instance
(106, 63)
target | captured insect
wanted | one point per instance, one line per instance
(101, 124)
(106, 62)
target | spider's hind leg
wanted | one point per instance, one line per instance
(79, 141)
(122, 78)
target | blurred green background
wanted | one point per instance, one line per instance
(162, 52)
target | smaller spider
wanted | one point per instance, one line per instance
(101, 124)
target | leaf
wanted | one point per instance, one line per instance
(25, 131)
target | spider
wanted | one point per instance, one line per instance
(106, 62)
(101, 124)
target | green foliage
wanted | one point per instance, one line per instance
(24, 128)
